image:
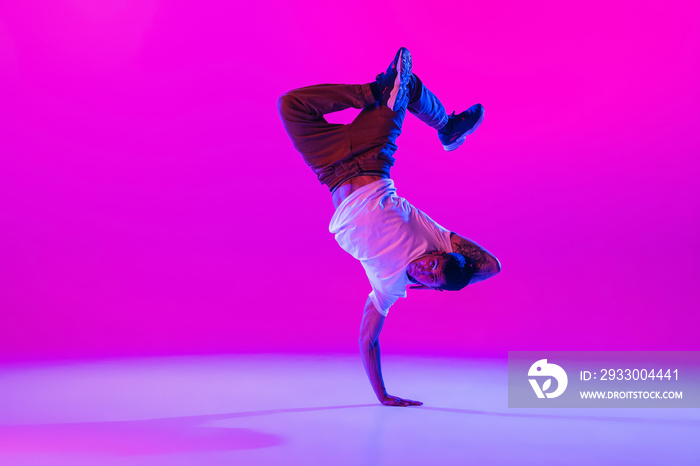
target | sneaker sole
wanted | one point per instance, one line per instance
(460, 141)
(399, 92)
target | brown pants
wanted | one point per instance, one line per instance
(366, 146)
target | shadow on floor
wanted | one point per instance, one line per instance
(127, 438)
(143, 437)
(190, 434)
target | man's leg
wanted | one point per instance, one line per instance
(425, 105)
(452, 129)
(377, 127)
(322, 144)
(365, 146)
(374, 131)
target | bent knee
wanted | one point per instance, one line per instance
(282, 103)
(286, 103)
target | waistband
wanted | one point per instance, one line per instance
(339, 173)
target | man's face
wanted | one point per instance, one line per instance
(428, 270)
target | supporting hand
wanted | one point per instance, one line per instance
(390, 400)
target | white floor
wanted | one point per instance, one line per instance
(299, 410)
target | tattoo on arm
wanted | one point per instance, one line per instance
(485, 265)
(471, 251)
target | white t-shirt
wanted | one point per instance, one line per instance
(385, 232)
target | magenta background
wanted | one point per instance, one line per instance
(152, 203)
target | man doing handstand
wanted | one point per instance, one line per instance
(397, 244)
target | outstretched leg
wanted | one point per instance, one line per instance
(425, 105)
(452, 129)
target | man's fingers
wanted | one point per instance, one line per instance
(394, 402)
(397, 401)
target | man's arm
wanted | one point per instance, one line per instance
(372, 322)
(485, 263)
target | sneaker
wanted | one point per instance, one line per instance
(460, 126)
(393, 85)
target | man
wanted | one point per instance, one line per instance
(397, 244)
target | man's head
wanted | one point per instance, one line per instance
(441, 270)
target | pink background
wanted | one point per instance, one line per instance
(152, 203)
